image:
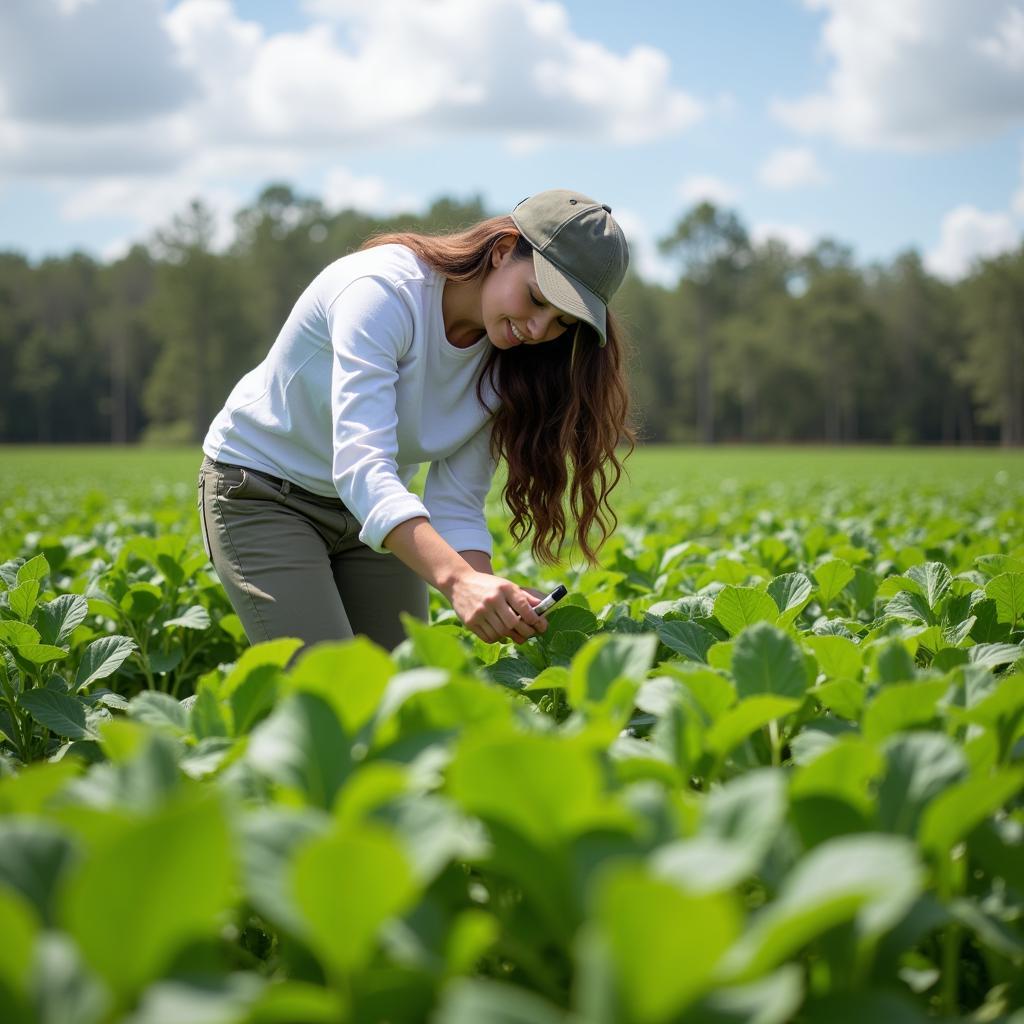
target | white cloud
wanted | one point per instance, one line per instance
(88, 63)
(969, 234)
(1005, 47)
(793, 167)
(702, 187)
(164, 86)
(798, 239)
(915, 74)
(344, 190)
(151, 203)
(644, 257)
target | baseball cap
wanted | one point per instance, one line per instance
(579, 253)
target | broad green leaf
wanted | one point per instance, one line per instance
(773, 999)
(253, 699)
(57, 619)
(161, 711)
(22, 598)
(351, 676)
(360, 878)
(790, 592)
(902, 707)
(141, 600)
(33, 787)
(268, 656)
(36, 569)
(284, 1002)
(211, 1000)
(569, 617)
(270, 838)
(994, 655)
(435, 646)
(554, 677)
(34, 857)
(658, 967)
(740, 822)
(959, 809)
(995, 565)
(918, 767)
(766, 660)
(739, 607)
(846, 770)
(606, 658)
(40, 654)
(58, 712)
(509, 779)
(837, 656)
(746, 717)
(832, 576)
(205, 716)
(19, 926)
(714, 693)
(893, 662)
(302, 746)
(16, 634)
(689, 639)
(162, 880)
(482, 1001)
(1007, 590)
(869, 879)
(909, 605)
(704, 863)
(748, 810)
(472, 933)
(934, 579)
(842, 697)
(196, 617)
(103, 658)
(433, 833)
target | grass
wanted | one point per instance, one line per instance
(133, 470)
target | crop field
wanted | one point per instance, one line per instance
(765, 766)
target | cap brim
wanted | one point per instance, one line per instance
(570, 296)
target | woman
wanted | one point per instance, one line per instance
(455, 351)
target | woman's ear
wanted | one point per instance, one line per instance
(502, 249)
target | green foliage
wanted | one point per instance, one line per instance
(767, 764)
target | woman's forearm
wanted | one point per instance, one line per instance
(416, 543)
(492, 607)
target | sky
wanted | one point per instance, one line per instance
(885, 125)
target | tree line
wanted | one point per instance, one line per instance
(755, 342)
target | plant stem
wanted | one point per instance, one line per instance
(773, 734)
(16, 721)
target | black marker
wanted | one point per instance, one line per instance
(556, 595)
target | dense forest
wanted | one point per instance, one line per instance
(755, 343)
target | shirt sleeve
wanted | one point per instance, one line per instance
(370, 327)
(455, 492)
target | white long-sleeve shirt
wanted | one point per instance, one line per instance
(360, 388)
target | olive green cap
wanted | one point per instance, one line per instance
(580, 253)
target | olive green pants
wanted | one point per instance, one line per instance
(292, 563)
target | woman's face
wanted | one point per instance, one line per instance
(514, 309)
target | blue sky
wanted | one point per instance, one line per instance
(885, 124)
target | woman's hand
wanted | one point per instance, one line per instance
(495, 608)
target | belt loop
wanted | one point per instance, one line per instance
(286, 487)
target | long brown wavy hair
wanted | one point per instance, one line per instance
(563, 406)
